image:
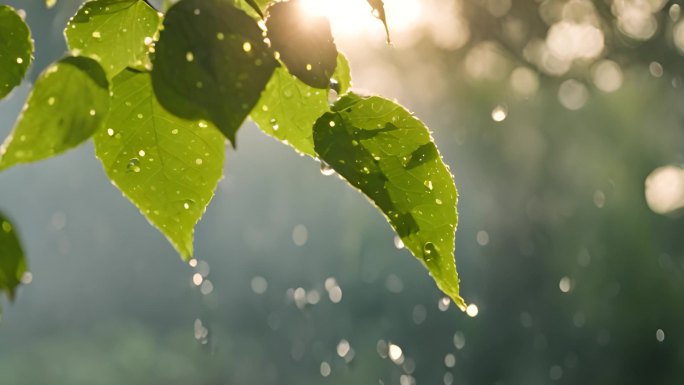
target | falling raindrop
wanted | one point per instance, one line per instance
(499, 113)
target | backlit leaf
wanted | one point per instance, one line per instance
(382, 150)
(166, 166)
(12, 260)
(303, 41)
(288, 108)
(67, 105)
(16, 48)
(118, 33)
(211, 63)
(379, 12)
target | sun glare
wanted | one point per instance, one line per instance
(350, 18)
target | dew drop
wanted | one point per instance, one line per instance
(309, 67)
(110, 132)
(332, 123)
(141, 153)
(187, 204)
(499, 113)
(428, 184)
(148, 40)
(174, 131)
(189, 56)
(220, 36)
(96, 34)
(326, 169)
(438, 201)
(92, 112)
(199, 161)
(20, 60)
(133, 165)
(247, 46)
(51, 101)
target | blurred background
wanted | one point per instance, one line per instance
(562, 122)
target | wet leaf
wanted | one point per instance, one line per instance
(304, 42)
(116, 33)
(342, 75)
(211, 63)
(166, 166)
(288, 108)
(12, 260)
(255, 7)
(379, 12)
(68, 103)
(16, 48)
(382, 150)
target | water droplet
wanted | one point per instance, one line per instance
(247, 46)
(141, 153)
(499, 113)
(438, 201)
(140, 116)
(428, 184)
(51, 101)
(174, 131)
(189, 56)
(110, 132)
(92, 112)
(430, 250)
(148, 40)
(133, 165)
(326, 169)
(96, 34)
(332, 123)
(220, 36)
(188, 204)
(196, 11)
(203, 124)
(309, 67)
(398, 243)
(20, 60)
(472, 310)
(199, 161)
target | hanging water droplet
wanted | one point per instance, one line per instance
(133, 165)
(247, 46)
(326, 169)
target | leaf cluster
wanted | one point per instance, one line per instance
(160, 94)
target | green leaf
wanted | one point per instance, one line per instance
(342, 75)
(255, 7)
(12, 260)
(117, 33)
(288, 108)
(303, 42)
(211, 63)
(166, 166)
(382, 150)
(16, 48)
(67, 105)
(379, 12)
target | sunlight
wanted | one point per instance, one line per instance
(354, 18)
